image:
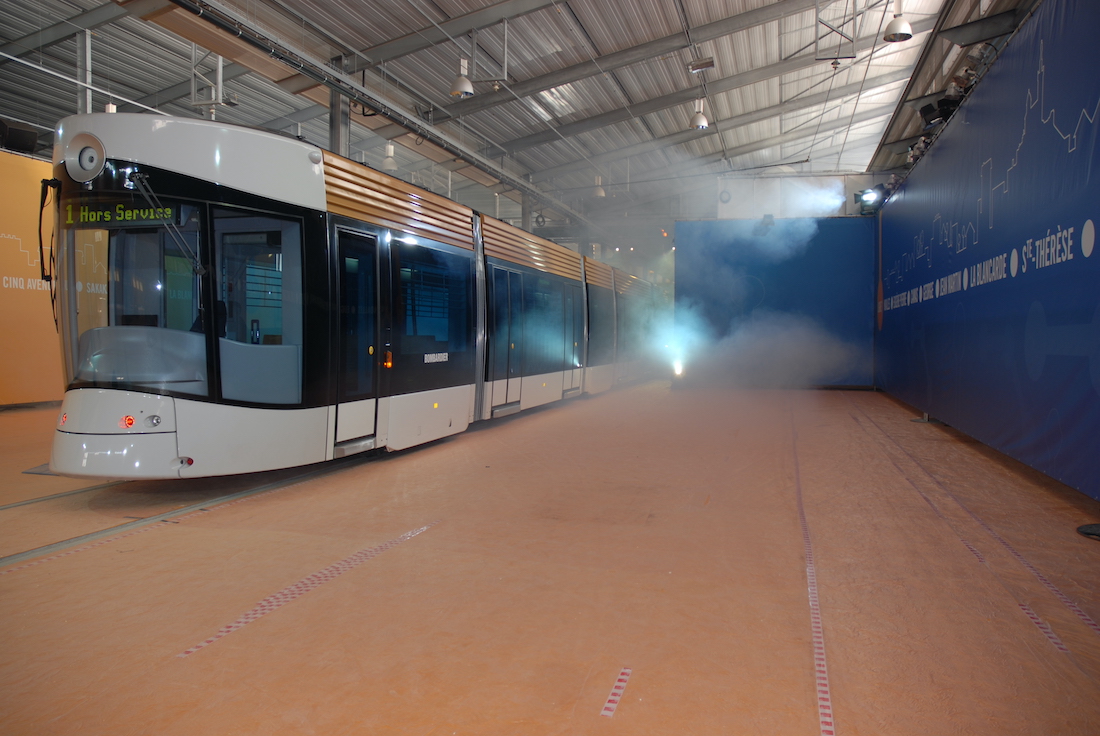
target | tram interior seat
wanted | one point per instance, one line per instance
(158, 357)
(268, 374)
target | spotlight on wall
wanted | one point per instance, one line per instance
(931, 115)
(898, 29)
(699, 120)
(599, 192)
(389, 163)
(462, 86)
(700, 65)
(938, 113)
(870, 200)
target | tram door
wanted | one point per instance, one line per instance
(356, 385)
(507, 336)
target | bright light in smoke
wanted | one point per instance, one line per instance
(677, 336)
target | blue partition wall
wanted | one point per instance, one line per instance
(989, 286)
(813, 274)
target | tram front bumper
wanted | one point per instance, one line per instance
(108, 433)
(119, 456)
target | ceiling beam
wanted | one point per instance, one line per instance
(242, 40)
(793, 105)
(436, 34)
(632, 55)
(683, 96)
(902, 146)
(984, 29)
(183, 89)
(298, 116)
(430, 36)
(66, 29)
(684, 189)
(692, 168)
(930, 99)
(809, 132)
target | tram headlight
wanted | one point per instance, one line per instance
(88, 158)
(84, 157)
(678, 367)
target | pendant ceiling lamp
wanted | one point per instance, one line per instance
(389, 163)
(462, 87)
(599, 192)
(898, 29)
(699, 120)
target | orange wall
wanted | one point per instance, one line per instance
(30, 352)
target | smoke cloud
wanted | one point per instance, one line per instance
(778, 241)
(773, 350)
(728, 330)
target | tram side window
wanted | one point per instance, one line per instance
(259, 297)
(433, 318)
(500, 341)
(544, 326)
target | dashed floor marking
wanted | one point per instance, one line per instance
(1064, 599)
(303, 586)
(616, 693)
(821, 670)
(1045, 628)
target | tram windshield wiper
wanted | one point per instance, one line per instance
(141, 181)
(49, 185)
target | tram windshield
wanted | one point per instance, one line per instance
(141, 306)
(131, 294)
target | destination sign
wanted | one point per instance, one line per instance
(116, 214)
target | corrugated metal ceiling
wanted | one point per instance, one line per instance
(593, 87)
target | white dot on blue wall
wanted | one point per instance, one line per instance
(1088, 236)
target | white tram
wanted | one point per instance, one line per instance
(232, 300)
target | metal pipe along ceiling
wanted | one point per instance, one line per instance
(345, 85)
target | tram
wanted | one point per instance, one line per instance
(231, 300)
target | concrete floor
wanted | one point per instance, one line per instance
(643, 562)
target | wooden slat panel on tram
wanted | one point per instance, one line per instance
(596, 273)
(509, 243)
(360, 192)
(625, 283)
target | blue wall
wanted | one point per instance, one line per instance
(989, 286)
(809, 272)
